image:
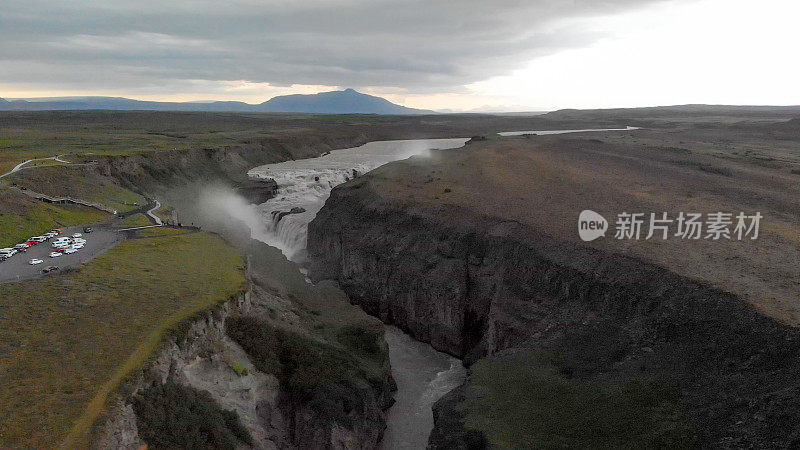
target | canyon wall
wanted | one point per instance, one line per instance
(476, 286)
(203, 355)
(155, 172)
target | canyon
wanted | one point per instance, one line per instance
(474, 251)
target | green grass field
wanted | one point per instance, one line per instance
(160, 231)
(524, 400)
(89, 134)
(69, 340)
(135, 220)
(22, 217)
(80, 183)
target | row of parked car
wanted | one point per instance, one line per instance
(61, 245)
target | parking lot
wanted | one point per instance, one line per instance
(18, 268)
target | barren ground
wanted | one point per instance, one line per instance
(546, 181)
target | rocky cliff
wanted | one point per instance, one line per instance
(279, 404)
(475, 285)
(155, 172)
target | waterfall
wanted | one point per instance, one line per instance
(304, 185)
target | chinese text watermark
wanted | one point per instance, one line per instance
(714, 226)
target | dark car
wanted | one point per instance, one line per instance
(49, 269)
(87, 229)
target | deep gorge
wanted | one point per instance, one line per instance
(478, 286)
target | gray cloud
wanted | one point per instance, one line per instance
(425, 46)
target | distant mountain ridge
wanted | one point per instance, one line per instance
(348, 101)
(691, 110)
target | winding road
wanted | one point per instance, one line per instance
(154, 217)
(22, 165)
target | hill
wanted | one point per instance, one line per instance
(347, 101)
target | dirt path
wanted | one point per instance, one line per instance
(152, 216)
(22, 165)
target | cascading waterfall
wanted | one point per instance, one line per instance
(304, 185)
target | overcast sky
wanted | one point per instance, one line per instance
(461, 55)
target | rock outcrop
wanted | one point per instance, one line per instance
(257, 190)
(203, 356)
(474, 285)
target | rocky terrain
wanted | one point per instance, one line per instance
(208, 355)
(476, 251)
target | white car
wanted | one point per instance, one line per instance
(35, 261)
(77, 235)
(79, 241)
(70, 251)
(61, 244)
(55, 254)
(7, 252)
(77, 246)
(49, 235)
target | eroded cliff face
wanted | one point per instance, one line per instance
(156, 172)
(203, 356)
(475, 285)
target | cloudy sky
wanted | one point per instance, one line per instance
(461, 55)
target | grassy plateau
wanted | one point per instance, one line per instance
(525, 400)
(69, 340)
(22, 217)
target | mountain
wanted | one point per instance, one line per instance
(335, 102)
(347, 101)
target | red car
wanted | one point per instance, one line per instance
(49, 269)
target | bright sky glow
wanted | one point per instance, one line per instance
(674, 52)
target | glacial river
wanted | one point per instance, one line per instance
(307, 183)
(423, 374)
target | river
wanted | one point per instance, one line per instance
(423, 374)
(307, 183)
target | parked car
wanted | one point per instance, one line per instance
(37, 239)
(35, 261)
(69, 251)
(76, 235)
(49, 269)
(49, 235)
(56, 231)
(55, 254)
(78, 246)
(21, 247)
(8, 252)
(87, 229)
